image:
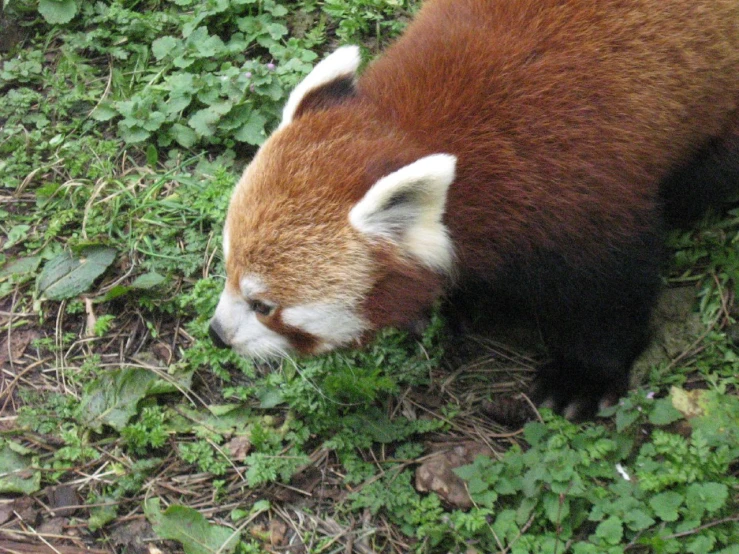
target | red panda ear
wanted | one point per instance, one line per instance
(330, 82)
(406, 208)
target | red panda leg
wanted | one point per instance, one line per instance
(594, 317)
(591, 372)
(596, 321)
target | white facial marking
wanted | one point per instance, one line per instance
(407, 207)
(252, 285)
(334, 323)
(342, 63)
(245, 333)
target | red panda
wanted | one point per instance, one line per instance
(520, 153)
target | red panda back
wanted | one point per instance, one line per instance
(565, 115)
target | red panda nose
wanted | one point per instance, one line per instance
(214, 331)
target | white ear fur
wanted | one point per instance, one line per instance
(406, 207)
(341, 63)
(226, 243)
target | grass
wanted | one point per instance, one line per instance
(124, 127)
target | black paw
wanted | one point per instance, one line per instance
(577, 392)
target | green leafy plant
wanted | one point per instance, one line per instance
(576, 487)
(150, 431)
(191, 529)
(57, 12)
(17, 474)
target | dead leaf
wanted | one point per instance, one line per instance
(239, 447)
(132, 538)
(63, 500)
(277, 531)
(259, 532)
(436, 475)
(162, 352)
(9, 423)
(54, 526)
(689, 403)
(512, 411)
(26, 509)
(19, 341)
(37, 547)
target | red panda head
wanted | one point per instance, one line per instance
(335, 229)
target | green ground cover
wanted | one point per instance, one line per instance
(123, 126)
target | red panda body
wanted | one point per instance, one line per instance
(565, 116)
(524, 153)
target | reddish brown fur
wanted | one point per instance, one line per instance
(596, 100)
(291, 209)
(383, 305)
(564, 115)
(301, 341)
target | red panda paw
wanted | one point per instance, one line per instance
(575, 391)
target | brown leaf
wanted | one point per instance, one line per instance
(307, 480)
(26, 509)
(54, 526)
(132, 537)
(19, 341)
(277, 531)
(162, 352)
(6, 510)
(63, 500)
(436, 475)
(239, 447)
(512, 411)
(259, 532)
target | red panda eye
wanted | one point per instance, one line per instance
(261, 308)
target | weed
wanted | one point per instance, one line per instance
(149, 431)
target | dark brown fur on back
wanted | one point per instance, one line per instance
(565, 114)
